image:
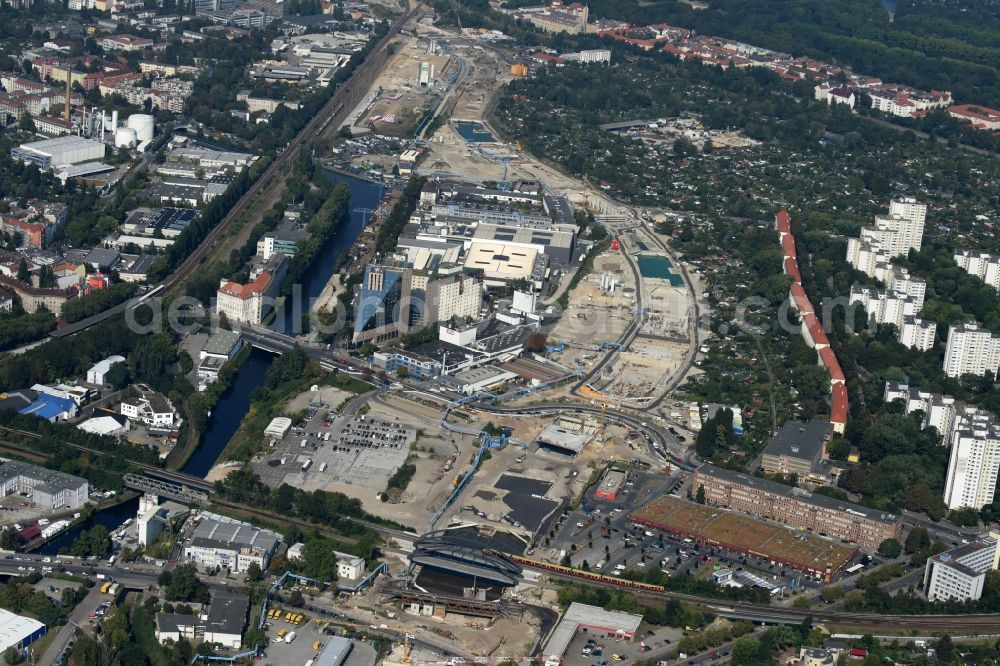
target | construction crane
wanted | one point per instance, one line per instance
(590, 392)
(407, 648)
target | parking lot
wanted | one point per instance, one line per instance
(600, 535)
(597, 527)
(598, 649)
(374, 434)
(324, 451)
(303, 646)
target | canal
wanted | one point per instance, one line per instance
(365, 196)
(233, 404)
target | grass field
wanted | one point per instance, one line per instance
(801, 550)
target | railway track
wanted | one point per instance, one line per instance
(8, 447)
(342, 101)
(166, 474)
(986, 623)
(969, 624)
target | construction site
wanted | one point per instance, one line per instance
(411, 84)
(545, 463)
(462, 148)
(600, 308)
(489, 631)
(640, 374)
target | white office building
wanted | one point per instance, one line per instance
(971, 350)
(218, 541)
(974, 461)
(150, 408)
(982, 265)
(959, 573)
(47, 488)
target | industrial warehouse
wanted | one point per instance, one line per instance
(47, 488)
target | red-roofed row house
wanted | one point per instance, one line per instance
(812, 328)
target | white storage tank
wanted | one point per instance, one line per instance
(143, 126)
(125, 136)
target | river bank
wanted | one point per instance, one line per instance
(200, 455)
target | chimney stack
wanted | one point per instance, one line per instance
(69, 88)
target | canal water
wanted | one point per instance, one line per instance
(233, 404)
(110, 518)
(364, 195)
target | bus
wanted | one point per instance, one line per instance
(306, 464)
(854, 569)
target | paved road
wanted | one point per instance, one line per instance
(77, 620)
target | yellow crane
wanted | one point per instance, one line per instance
(588, 391)
(407, 659)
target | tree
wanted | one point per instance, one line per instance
(746, 651)
(46, 278)
(945, 650)
(25, 122)
(93, 542)
(890, 548)
(254, 637)
(23, 273)
(254, 572)
(117, 375)
(8, 539)
(917, 539)
(838, 448)
(183, 584)
(964, 517)
(319, 561)
(699, 496)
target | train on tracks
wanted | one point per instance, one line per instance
(590, 576)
